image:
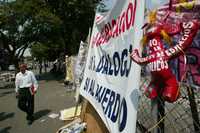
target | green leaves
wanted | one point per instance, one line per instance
(49, 27)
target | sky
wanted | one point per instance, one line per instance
(27, 52)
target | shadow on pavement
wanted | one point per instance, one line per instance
(6, 93)
(5, 130)
(4, 116)
(41, 113)
(50, 76)
(7, 85)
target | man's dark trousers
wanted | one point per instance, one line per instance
(26, 102)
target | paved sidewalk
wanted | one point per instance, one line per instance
(50, 98)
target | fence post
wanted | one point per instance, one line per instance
(158, 112)
(193, 107)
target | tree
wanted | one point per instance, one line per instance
(24, 23)
(77, 16)
(63, 23)
(47, 52)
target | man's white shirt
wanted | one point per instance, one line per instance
(25, 80)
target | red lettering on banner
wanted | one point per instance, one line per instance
(130, 20)
(122, 23)
(116, 27)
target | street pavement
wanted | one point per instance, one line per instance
(50, 99)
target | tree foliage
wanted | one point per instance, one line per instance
(24, 23)
(48, 26)
(77, 16)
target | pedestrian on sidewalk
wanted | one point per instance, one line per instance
(26, 86)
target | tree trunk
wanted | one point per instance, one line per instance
(40, 67)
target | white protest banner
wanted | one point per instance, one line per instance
(111, 79)
(81, 59)
(80, 66)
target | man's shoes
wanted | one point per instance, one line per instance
(29, 119)
(29, 122)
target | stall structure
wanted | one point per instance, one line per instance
(113, 96)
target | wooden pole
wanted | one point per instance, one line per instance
(193, 107)
(158, 112)
(161, 114)
(141, 127)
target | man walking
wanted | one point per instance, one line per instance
(26, 86)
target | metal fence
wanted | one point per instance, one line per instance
(181, 116)
(7, 79)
